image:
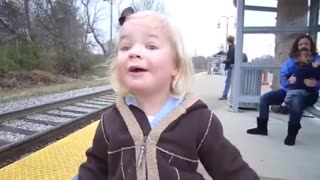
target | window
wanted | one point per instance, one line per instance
(258, 45)
(267, 3)
(264, 18)
(283, 17)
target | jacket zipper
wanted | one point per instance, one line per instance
(142, 153)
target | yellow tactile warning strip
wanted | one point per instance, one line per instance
(58, 161)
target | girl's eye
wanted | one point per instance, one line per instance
(152, 47)
(124, 48)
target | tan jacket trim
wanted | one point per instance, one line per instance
(103, 130)
(121, 149)
(122, 170)
(153, 138)
(135, 132)
(177, 156)
(178, 175)
(170, 159)
(205, 134)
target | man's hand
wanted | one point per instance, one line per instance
(292, 80)
(311, 82)
(316, 64)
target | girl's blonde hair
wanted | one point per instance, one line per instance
(182, 81)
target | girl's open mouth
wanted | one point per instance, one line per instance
(136, 69)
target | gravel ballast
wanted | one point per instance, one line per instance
(35, 101)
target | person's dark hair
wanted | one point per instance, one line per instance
(299, 52)
(125, 13)
(295, 44)
(230, 39)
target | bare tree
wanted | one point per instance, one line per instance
(29, 31)
(91, 23)
(10, 20)
(153, 5)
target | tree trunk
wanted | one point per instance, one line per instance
(28, 21)
(291, 13)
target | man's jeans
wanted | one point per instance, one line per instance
(227, 83)
(296, 105)
(293, 93)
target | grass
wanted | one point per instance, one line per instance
(12, 95)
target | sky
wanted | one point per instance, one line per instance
(198, 22)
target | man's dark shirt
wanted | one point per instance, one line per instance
(230, 57)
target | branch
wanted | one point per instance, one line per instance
(91, 26)
(45, 12)
(48, 29)
(28, 21)
(7, 26)
(50, 4)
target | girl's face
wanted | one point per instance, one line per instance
(146, 60)
(304, 57)
(304, 43)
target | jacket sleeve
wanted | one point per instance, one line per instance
(286, 70)
(317, 59)
(230, 55)
(96, 165)
(220, 158)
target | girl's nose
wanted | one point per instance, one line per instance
(135, 56)
(135, 52)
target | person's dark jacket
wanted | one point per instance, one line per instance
(230, 57)
(245, 58)
(302, 72)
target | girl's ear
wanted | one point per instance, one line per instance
(174, 72)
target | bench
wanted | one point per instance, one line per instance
(313, 110)
(251, 82)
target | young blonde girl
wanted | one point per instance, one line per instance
(157, 130)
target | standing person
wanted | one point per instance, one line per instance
(297, 103)
(157, 129)
(228, 62)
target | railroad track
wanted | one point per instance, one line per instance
(27, 130)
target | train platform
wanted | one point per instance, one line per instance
(58, 161)
(271, 159)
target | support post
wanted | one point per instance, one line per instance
(238, 56)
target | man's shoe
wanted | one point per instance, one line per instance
(261, 129)
(290, 140)
(223, 98)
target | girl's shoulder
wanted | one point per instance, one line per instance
(110, 113)
(199, 115)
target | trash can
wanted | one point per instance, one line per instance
(250, 85)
